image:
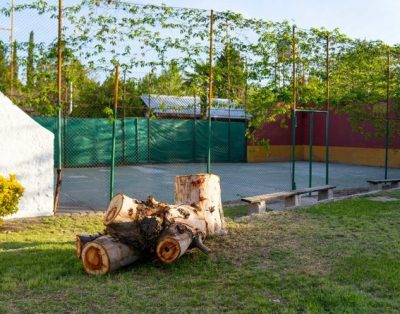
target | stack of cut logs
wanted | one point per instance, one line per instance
(150, 229)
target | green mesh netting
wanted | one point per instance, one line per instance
(87, 141)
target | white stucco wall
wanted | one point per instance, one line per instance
(26, 149)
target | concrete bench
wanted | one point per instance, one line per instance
(375, 185)
(292, 198)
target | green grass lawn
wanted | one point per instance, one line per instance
(336, 257)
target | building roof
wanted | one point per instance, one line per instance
(190, 106)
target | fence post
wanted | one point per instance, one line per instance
(59, 103)
(229, 135)
(294, 122)
(148, 131)
(123, 120)
(64, 141)
(194, 131)
(112, 172)
(387, 114)
(328, 103)
(310, 156)
(210, 92)
(12, 52)
(137, 140)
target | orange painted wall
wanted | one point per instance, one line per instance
(337, 154)
(256, 153)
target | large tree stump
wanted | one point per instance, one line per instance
(202, 191)
(105, 254)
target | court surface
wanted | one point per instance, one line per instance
(88, 188)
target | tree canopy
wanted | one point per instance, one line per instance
(164, 50)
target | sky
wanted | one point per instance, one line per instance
(369, 19)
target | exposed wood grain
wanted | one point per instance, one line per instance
(81, 240)
(203, 192)
(105, 254)
(173, 243)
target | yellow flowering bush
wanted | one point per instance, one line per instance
(10, 193)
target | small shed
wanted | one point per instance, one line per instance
(26, 150)
(189, 107)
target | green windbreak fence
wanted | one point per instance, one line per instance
(87, 141)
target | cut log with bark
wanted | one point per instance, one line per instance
(203, 192)
(106, 254)
(81, 240)
(173, 243)
(150, 229)
(121, 209)
(125, 209)
(189, 216)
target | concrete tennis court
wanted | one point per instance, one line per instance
(88, 188)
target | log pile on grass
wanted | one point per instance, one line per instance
(150, 229)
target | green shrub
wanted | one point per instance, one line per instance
(10, 193)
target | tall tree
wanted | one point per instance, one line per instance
(15, 61)
(170, 81)
(197, 82)
(30, 62)
(230, 75)
(4, 68)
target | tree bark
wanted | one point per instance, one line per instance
(144, 232)
(141, 234)
(105, 254)
(189, 216)
(81, 240)
(203, 192)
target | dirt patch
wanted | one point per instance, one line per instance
(272, 240)
(16, 225)
(383, 199)
(349, 191)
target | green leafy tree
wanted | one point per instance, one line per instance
(169, 82)
(4, 68)
(30, 65)
(15, 61)
(230, 75)
(43, 95)
(147, 36)
(197, 83)
(359, 83)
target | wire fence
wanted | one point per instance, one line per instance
(260, 71)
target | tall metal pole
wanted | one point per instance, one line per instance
(310, 143)
(328, 105)
(71, 97)
(112, 172)
(123, 119)
(387, 114)
(230, 92)
(328, 65)
(59, 63)
(294, 122)
(294, 67)
(59, 103)
(12, 46)
(210, 91)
